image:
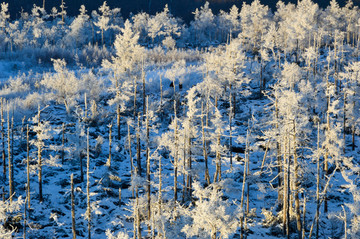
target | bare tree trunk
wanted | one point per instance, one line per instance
(79, 154)
(265, 155)
(148, 179)
(135, 93)
(285, 189)
(248, 185)
(288, 191)
(86, 108)
(247, 176)
(160, 186)
(28, 167)
(108, 163)
(119, 196)
(63, 144)
(217, 176)
(176, 159)
(230, 129)
(161, 91)
(118, 120)
(138, 149)
(88, 209)
(344, 123)
(242, 218)
(144, 90)
(72, 207)
(25, 217)
(278, 154)
(321, 200)
(207, 176)
(207, 118)
(189, 177)
(326, 164)
(130, 156)
(138, 228)
(10, 163)
(296, 186)
(304, 218)
(40, 163)
(184, 165)
(3, 137)
(318, 183)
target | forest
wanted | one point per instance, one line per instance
(240, 124)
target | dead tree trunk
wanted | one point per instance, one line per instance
(189, 177)
(28, 167)
(130, 156)
(296, 185)
(176, 158)
(217, 176)
(63, 144)
(72, 207)
(88, 209)
(135, 93)
(144, 91)
(3, 137)
(108, 163)
(207, 176)
(138, 149)
(304, 218)
(40, 162)
(318, 184)
(242, 218)
(285, 188)
(230, 129)
(278, 155)
(11, 185)
(118, 122)
(148, 179)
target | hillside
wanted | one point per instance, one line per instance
(242, 124)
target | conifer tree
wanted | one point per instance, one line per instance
(43, 133)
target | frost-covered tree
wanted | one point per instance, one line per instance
(351, 13)
(163, 25)
(102, 19)
(124, 65)
(297, 25)
(79, 30)
(35, 25)
(140, 25)
(64, 83)
(255, 21)
(289, 132)
(43, 132)
(228, 24)
(4, 21)
(202, 28)
(211, 216)
(128, 52)
(333, 19)
(4, 15)
(351, 82)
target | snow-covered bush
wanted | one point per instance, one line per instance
(212, 217)
(7, 210)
